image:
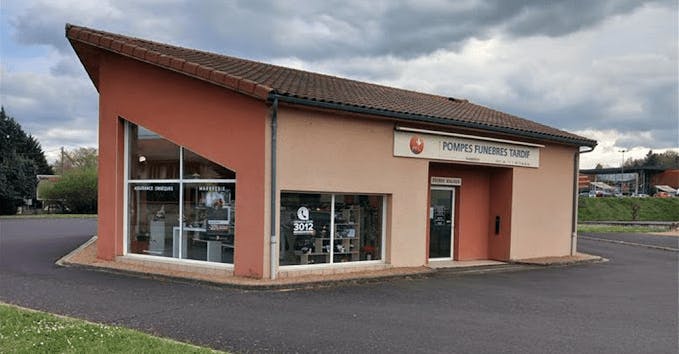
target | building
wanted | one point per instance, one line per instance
(264, 171)
(630, 180)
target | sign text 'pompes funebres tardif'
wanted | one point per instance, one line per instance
(452, 148)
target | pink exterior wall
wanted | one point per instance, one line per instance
(216, 123)
(327, 152)
(542, 205)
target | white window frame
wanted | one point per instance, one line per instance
(181, 181)
(331, 264)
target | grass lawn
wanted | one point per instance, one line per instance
(49, 216)
(619, 228)
(28, 331)
(622, 209)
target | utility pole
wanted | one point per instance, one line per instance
(622, 169)
(62, 160)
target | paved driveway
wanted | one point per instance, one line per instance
(628, 305)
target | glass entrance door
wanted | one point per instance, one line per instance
(441, 222)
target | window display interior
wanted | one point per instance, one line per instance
(309, 236)
(207, 209)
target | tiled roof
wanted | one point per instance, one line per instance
(260, 80)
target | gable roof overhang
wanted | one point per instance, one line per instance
(268, 82)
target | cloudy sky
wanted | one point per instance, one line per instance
(607, 70)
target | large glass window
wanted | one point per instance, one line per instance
(330, 228)
(209, 214)
(180, 204)
(198, 167)
(153, 214)
(151, 156)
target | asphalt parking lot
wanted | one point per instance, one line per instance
(651, 240)
(626, 305)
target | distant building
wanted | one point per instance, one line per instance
(630, 180)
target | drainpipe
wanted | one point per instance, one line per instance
(576, 174)
(272, 242)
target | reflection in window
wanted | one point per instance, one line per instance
(153, 213)
(196, 166)
(151, 156)
(309, 237)
(209, 222)
(305, 228)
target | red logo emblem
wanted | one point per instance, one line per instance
(416, 144)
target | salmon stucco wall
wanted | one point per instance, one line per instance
(500, 205)
(216, 123)
(323, 152)
(542, 205)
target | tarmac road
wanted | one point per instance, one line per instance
(627, 305)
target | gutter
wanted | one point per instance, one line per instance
(574, 216)
(428, 119)
(272, 242)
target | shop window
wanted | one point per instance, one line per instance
(198, 167)
(209, 212)
(151, 156)
(169, 216)
(330, 228)
(153, 213)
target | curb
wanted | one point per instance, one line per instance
(63, 261)
(484, 269)
(511, 266)
(563, 264)
(662, 248)
(248, 287)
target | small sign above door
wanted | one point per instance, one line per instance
(446, 181)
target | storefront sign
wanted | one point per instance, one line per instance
(303, 226)
(452, 148)
(446, 181)
(156, 188)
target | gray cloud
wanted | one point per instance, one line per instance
(624, 78)
(317, 30)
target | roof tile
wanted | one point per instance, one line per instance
(105, 42)
(164, 60)
(204, 72)
(190, 68)
(260, 79)
(151, 56)
(128, 49)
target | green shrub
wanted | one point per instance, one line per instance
(77, 190)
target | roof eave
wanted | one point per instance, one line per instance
(429, 119)
(109, 44)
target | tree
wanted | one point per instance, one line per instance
(668, 159)
(21, 159)
(78, 158)
(76, 189)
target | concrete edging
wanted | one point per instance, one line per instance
(308, 284)
(63, 261)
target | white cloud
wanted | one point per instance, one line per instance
(603, 68)
(609, 150)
